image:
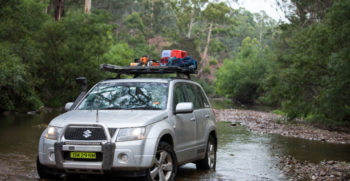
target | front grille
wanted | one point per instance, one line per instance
(81, 143)
(78, 133)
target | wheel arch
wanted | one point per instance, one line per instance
(214, 135)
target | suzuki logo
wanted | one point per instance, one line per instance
(87, 133)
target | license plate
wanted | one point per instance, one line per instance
(83, 155)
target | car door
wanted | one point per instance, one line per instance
(206, 114)
(185, 127)
(200, 116)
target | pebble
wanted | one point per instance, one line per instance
(324, 170)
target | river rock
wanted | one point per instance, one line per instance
(331, 162)
(31, 112)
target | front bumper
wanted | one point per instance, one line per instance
(139, 154)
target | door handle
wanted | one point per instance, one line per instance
(207, 115)
(193, 119)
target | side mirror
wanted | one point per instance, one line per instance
(82, 82)
(68, 106)
(184, 107)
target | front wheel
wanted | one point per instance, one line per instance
(209, 161)
(165, 164)
(45, 172)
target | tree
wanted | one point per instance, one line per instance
(87, 7)
(59, 9)
(214, 14)
(187, 13)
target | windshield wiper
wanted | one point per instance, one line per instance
(145, 108)
(112, 108)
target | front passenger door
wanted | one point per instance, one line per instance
(185, 127)
(200, 114)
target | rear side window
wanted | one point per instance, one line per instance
(179, 94)
(203, 98)
(193, 96)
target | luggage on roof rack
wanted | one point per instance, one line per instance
(138, 70)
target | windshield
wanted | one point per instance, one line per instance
(131, 96)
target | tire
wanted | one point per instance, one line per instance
(165, 164)
(209, 161)
(45, 172)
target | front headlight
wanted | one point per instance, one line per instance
(52, 133)
(129, 134)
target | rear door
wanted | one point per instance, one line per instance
(206, 115)
(200, 113)
(185, 129)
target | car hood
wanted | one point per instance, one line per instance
(110, 118)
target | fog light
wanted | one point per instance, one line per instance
(52, 156)
(123, 158)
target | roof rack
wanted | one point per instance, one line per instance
(138, 70)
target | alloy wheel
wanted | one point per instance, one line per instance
(163, 166)
(211, 154)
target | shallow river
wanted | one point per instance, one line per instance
(241, 155)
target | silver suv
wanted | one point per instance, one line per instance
(131, 127)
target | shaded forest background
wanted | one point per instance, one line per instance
(302, 66)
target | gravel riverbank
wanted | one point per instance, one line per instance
(304, 170)
(264, 122)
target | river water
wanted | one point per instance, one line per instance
(241, 155)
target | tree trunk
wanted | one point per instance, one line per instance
(51, 5)
(152, 13)
(208, 41)
(204, 58)
(260, 35)
(59, 9)
(190, 28)
(87, 8)
(45, 11)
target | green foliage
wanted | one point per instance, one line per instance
(311, 78)
(279, 112)
(216, 47)
(119, 54)
(302, 66)
(206, 69)
(20, 20)
(241, 78)
(134, 21)
(73, 47)
(15, 85)
(213, 61)
(216, 12)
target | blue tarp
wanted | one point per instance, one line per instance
(183, 62)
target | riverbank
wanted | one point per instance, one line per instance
(264, 122)
(304, 170)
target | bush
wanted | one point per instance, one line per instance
(15, 83)
(241, 78)
(213, 61)
(206, 70)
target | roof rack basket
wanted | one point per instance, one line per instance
(138, 70)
